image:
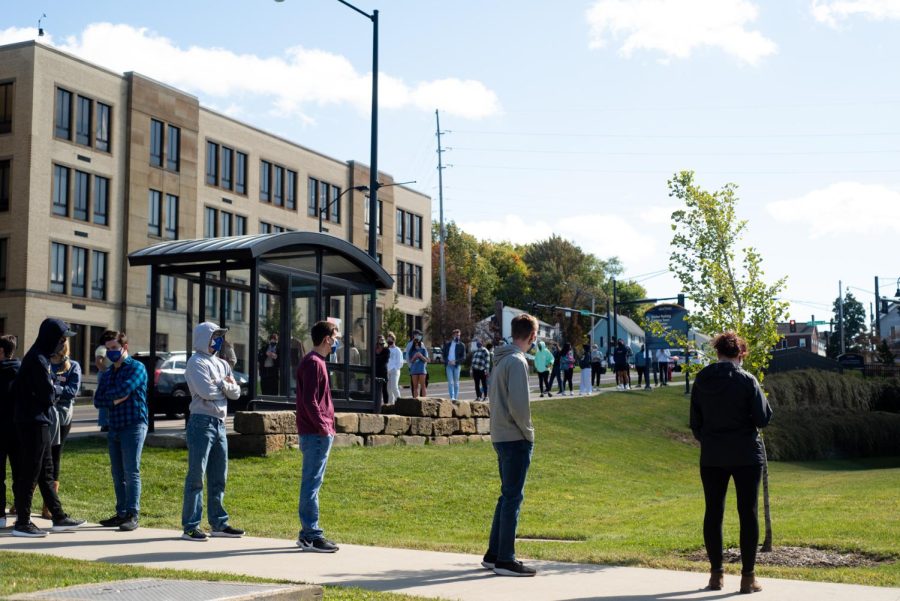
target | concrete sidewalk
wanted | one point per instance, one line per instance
(425, 573)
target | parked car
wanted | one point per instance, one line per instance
(170, 394)
(437, 355)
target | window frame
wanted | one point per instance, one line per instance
(212, 163)
(265, 181)
(5, 184)
(99, 274)
(157, 142)
(61, 191)
(55, 269)
(226, 167)
(84, 120)
(173, 147)
(62, 131)
(240, 172)
(7, 104)
(103, 129)
(154, 213)
(170, 231)
(101, 183)
(81, 194)
(78, 277)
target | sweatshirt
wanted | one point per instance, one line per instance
(33, 389)
(8, 370)
(315, 410)
(205, 374)
(727, 408)
(509, 394)
(543, 359)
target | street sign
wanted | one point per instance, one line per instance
(817, 323)
(585, 313)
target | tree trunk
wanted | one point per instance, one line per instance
(767, 542)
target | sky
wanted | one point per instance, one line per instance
(567, 117)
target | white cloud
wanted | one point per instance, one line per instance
(294, 81)
(659, 213)
(603, 235)
(843, 208)
(678, 27)
(832, 11)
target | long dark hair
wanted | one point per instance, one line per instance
(566, 348)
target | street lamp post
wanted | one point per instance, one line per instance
(373, 151)
(323, 210)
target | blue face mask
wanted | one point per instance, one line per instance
(478, 344)
(114, 356)
(533, 346)
(216, 344)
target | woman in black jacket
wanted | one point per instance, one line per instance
(728, 407)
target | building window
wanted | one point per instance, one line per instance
(209, 223)
(226, 167)
(418, 274)
(58, 268)
(5, 186)
(60, 190)
(401, 277)
(168, 292)
(335, 204)
(156, 142)
(82, 195)
(3, 250)
(173, 149)
(290, 193)
(212, 296)
(101, 200)
(240, 225)
(265, 228)
(79, 271)
(162, 342)
(104, 112)
(238, 306)
(63, 121)
(401, 222)
(6, 107)
(171, 217)
(154, 213)
(312, 197)
(83, 121)
(264, 184)
(409, 229)
(379, 222)
(212, 163)
(225, 228)
(278, 186)
(98, 275)
(417, 230)
(240, 173)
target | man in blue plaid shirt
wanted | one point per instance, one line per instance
(480, 368)
(122, 389)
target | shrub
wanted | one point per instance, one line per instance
(799, 435)
(811, 389)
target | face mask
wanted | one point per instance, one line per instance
(533, 346)
(419, 338)
(390, 343)
(216, 344)
(114, 356)
(478, 344)
(456, 339)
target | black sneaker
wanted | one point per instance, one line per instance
(129, 523)
(228, 532)
(113, 522)
(513, 568)
(196, 535)
(319, 545)
(488, 561)
(65, 524)
(29, 530)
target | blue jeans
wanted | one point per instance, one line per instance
(315, 449)
(453, 381)
(102, 417)
(125, 447)
(207, 454)
(513, 459)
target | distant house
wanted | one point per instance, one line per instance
(890, 328)
(546, 332)
(630, 333)
(805, 337)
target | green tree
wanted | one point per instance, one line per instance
(471, 279)
(394, 320)
(884, 353)
(727, 293)
(854, 325)
(513, 285)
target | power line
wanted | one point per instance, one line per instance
(669, 171)
(678, 154)
(677, 136)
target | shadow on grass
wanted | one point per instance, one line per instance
(845, 465)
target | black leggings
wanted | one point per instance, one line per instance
(544, 381)
(479, 376)
(595, 374)
(715, 486)
(56, 450)
(567, 378)
(35, 465)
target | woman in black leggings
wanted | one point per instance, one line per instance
(66, 374)
(567, 368)
(728, 407)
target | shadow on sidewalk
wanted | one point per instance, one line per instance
(213, 553)
(670, 596)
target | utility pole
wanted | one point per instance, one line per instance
(443, 274)
(593, 310)
(615, 314)
(607, 327)
(877, 313)
(841, 313)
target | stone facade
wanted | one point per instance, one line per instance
(424, 421)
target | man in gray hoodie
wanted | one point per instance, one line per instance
(211, 383)
(513, 436)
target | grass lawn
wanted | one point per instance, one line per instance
(22, 574)
(437, 372)
(613, 474)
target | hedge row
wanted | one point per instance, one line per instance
(811, 389)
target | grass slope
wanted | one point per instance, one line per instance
(615, 473)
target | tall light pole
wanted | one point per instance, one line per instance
(324, 209)
(373, 151)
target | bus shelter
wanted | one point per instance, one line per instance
(291, 280)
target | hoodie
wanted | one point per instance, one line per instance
(727, 408)
(33, 390)
(8, 370)
(543, 359)
(510, 401)
(205, 374)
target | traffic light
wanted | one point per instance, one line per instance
(792, 324)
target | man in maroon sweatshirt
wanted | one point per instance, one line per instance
(315, 425)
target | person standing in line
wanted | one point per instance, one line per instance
(454, 356)
(67, 375)
(640, 364)
(394, 365)
(543, 364)
(512, 435)
(270, 366)
(315, 425)
(556, 369)
(623, 374)
(34, 393)
(567, 367)
(9, 367)
(212, 385)
(585, 385)
(418, 368)
(101, 363)
(662, 359)
(728, 406)
(382, 356)
(596, 365)
(480, 370)
(122, 390)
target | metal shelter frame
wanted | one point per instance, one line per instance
(206, 262)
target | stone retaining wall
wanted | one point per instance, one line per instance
(409, 421)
